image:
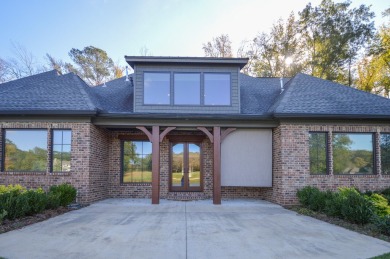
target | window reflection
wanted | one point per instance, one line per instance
(25, 150)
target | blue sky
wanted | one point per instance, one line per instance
(166, 28)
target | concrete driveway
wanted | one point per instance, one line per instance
(133, 228)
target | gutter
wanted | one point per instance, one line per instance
(187, 116)
(330, 116)
(51, 112)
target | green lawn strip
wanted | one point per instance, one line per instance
(368, 229)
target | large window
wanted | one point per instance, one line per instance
(318, 152)
(61, 150)
(25, 150)
(157, 88)
(385, 153)
(216, 89)
(353, 153)
(137, 162)
(187, 88)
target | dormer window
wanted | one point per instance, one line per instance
(157, 88)
(186, 88)
(216, 89)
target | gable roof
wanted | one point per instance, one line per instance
(307, 96)
(46, 93)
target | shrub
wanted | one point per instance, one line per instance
(3, 214)
(15, 204)
(67, 193)
(12, 188)
(53, 200)
(333, 205)
(356, 208)
(312, 198)
(383, 224)
(380, 204)
(37, 200)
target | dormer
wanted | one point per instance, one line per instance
(186, 84)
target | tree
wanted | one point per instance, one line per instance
(334, 34)
(59, 65)
(279, 53)
(93, 64)
(374, 68)
(22, 64)
(220, 46)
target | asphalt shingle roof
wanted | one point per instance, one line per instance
(303, 96)
(258, 94)
(115, 97)
(46, 92)
(306, 95)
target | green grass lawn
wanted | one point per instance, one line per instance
(384, 256)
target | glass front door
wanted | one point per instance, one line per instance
(186, 167)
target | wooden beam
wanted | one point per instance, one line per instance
(155, 139)
(165, 132)
(217, 166)
(147, 132)
(226, 132)
(208, 133)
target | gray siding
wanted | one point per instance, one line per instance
(204, 109)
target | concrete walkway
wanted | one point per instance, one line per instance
(133, 228)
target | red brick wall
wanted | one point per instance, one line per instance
(292, 166)
(79, 174)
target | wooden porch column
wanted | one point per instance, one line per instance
(217, 166)
(155, 165)
(154, 137)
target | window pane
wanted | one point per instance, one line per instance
(137, 165)
(385, 153)
(156, 88)
(187, 89)
(352, 153)
(61, 150)
(67, 137)
(317, 153)
(217, 89)
(25, 150)
(57, 136)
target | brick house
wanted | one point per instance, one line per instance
(192, 128)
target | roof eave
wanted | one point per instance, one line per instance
(188, 116)
(329, 116)
(132, 60)
(50, 112)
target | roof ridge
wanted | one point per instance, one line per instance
(280, 99)
(81, 84)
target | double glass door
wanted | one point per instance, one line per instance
(186, 167)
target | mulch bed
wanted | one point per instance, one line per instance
(367, 229)
(9, 225)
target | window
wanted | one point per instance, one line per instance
(216, 89)
(25, 150)
(385, 153)
(353, 153)
(137, 162)
(187, 88)
(62, 140)
(156, 88)
(318, 152)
